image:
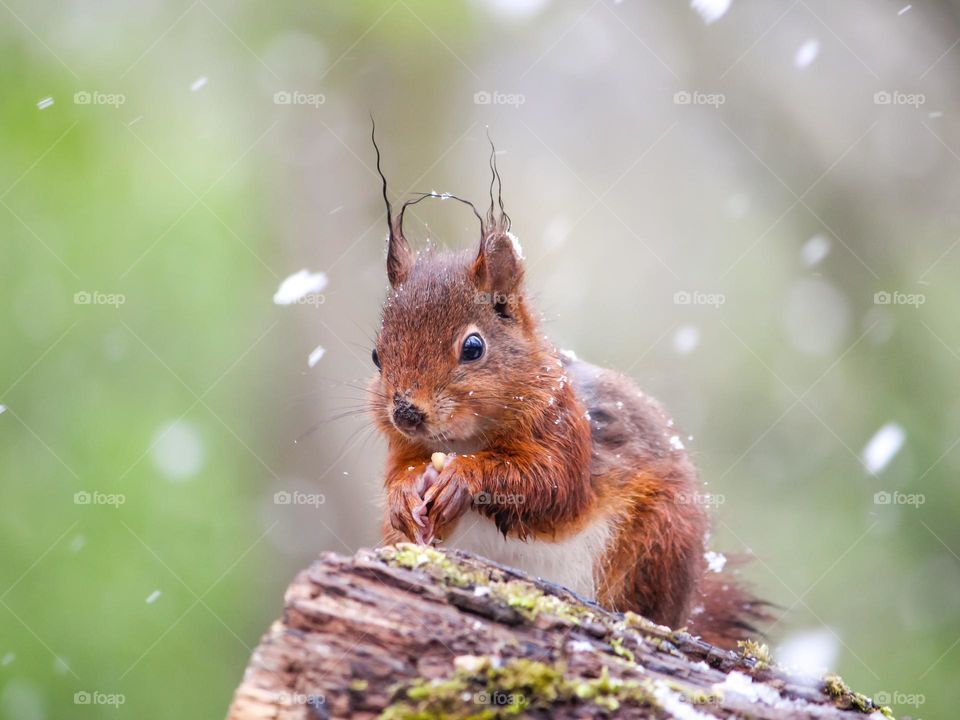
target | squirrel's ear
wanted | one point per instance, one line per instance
(499, 265)
(399, 257)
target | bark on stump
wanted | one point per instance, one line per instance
(415, 632)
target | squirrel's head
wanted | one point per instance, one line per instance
(457, 344)
(456, 335)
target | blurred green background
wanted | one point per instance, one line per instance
(710, 198)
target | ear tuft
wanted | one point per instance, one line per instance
(399, 257)
(498, 270)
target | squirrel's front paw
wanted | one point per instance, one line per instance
(408, 511)
(449, 496)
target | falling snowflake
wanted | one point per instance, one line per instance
(298, 286)
(814, 250)
(177, 450)
(810, 652)
(516, 9)
(807, 53)
(883, 447)
(711, 10)
(318, 352)
(686, 339)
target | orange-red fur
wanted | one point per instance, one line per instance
(572, 441)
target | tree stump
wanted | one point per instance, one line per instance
(416, 632)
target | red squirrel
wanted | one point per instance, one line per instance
(554, 466)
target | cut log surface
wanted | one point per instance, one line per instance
(416, 632)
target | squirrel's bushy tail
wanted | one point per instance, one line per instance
(728, 612)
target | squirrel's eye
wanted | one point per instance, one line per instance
(473, 347)
(375, 358)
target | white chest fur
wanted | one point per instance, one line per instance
(569, 563)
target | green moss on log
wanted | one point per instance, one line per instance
(486, 688)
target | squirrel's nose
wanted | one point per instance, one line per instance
(407, 415)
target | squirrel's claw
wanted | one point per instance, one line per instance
(426, 480)
(448, 498)
(414, 514)
(419, 514)
(409, 515)
(452, 501)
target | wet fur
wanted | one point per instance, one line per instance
(568, 457)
